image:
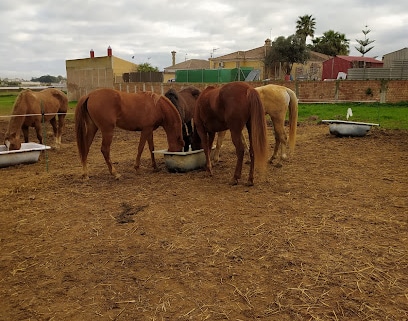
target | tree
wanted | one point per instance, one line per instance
(305, 26)
(146, 67)
(331, 43)
(47, 79)
(364, 43)
(287, 51)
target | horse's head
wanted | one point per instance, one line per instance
(12, 142)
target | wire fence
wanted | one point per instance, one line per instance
(45, 114)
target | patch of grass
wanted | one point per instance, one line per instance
(390, 116)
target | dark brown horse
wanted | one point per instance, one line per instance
(232, 106)
(105, 109)
(185, 101)
(277, 100)
(30, 110)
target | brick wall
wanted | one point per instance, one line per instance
(391, 91)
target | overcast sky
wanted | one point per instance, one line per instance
(38, 36)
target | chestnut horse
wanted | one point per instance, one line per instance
(105, 109)
(185, 100)
(277, 100)
(232, 106)
(30, 110)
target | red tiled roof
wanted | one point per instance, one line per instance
(359, 58)
(190, 64)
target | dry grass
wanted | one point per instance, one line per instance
(322, 238)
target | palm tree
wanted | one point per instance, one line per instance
(331, 43)
(305, 26)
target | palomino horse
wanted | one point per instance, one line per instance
(185, 101)
(30, 110)
(276, 101)
(232, 106)
(105, 109)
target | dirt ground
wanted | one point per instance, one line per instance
(325, 237)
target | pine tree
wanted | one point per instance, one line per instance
(364, 43)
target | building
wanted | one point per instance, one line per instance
(396, 57)
(312, 69)
(253, 58)
(87, 74)
(191, 64)
(341, 65)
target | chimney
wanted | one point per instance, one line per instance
(173, 54)
(109, 51)
(267, 46)
(92, 53)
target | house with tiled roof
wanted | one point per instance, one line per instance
(190, 64)
(341, 64)
(255, 58)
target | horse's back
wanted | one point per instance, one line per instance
(50, 100)
(129, 111)
(233, 99)
(273, 95)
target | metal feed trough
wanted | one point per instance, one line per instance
(28, 153)
(345, 128)
(183, 161)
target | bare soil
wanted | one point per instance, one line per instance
(325, 237)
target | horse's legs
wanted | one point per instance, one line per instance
(24, 128)
(37, 126)
(189, 135)
(151, 149)
(105, 149)
(245, 143)
(61, 124)
(145, 136)
(280, 141)
(240, 151)
(207, 146)
(53, 123)
(90, 135)
(220, 138)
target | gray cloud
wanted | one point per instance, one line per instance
(37, 37)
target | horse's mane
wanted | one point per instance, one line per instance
(169, 103)
(19, 103)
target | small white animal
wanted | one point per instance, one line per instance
(349, 113)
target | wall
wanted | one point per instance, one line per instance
(391, 91)
(85, 75)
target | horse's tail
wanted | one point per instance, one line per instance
(258, 130)
(293, 117)
(81, 119)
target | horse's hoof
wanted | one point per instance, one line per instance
(278, 165)
(156, 169)
(234, 182)
(249, 183)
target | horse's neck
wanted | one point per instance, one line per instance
(172, 117)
